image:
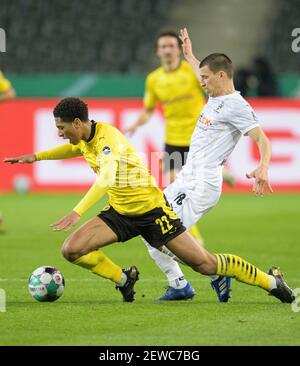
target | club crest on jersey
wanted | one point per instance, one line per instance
(106, 150)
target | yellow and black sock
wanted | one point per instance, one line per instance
(233, 266)
(98, 263)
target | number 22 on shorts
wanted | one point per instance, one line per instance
(164, 224)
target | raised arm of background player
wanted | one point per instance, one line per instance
(104, 180)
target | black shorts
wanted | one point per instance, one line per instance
(174, 157)
(157, 226)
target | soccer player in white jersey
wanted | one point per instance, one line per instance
(197, 188)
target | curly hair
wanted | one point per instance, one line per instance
(70, 108)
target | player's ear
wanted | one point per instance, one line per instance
(77, 122)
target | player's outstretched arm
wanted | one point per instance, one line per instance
(59, 152)
(187, 50)
(105, 180)
(261, 173)
(23, 159)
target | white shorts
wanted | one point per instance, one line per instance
(191, 201)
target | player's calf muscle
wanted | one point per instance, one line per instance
(185, 248)
(205, 265)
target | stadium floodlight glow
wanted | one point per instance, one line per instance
(2, 40)
(296, 42)
(2, 301)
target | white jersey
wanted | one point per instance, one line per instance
(222, 122)
(197, 188)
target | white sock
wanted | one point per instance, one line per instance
(168, 266)
(178, 283)
(123, 280)
(273, 283)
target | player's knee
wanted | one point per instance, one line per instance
(68, 250)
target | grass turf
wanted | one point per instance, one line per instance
(265, 231)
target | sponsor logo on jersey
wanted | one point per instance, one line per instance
(205, 121)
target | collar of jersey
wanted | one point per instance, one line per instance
(93, 131)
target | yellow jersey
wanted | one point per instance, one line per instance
(4, 83)
(182, 100)
(134, 191)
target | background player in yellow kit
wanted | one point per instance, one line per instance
(136, 207)
(6, 92)
(175, 86)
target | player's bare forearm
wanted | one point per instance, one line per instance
(142, 119)
(261, 173)
(194, 62)
(263, 144)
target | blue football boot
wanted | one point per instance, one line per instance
(186, 293)
(222, 287)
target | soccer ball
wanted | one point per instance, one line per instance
(46, 284)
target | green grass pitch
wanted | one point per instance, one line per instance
(265, 231)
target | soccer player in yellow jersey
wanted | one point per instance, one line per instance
(6, 92)
(136, 207)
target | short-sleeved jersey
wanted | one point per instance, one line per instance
(135, 191)
(222, 122)
(181, 97)
(4, 84)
